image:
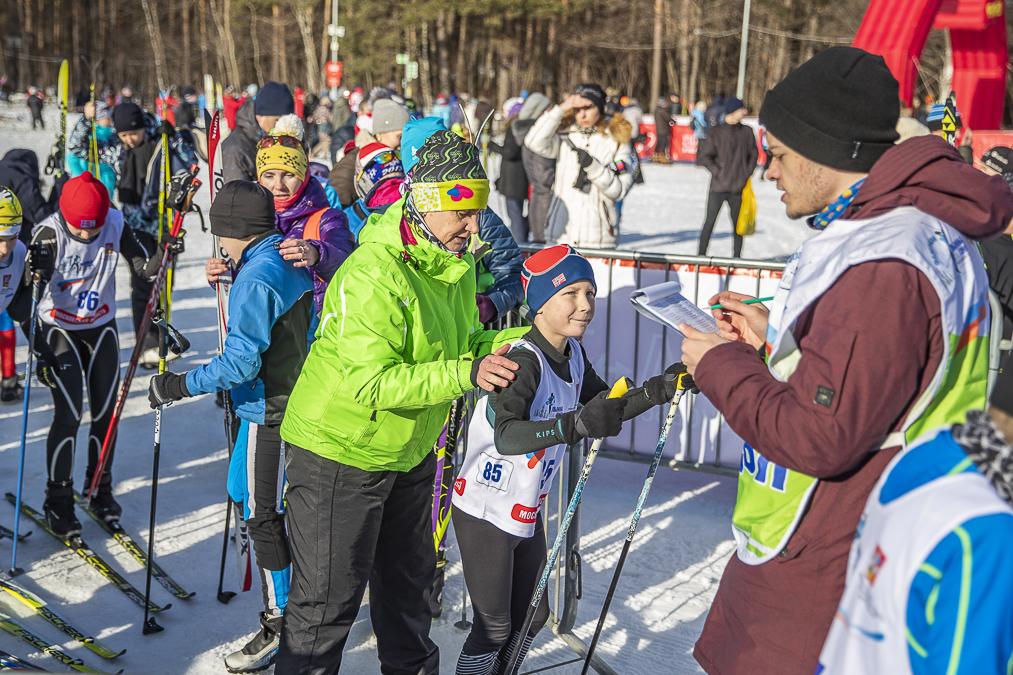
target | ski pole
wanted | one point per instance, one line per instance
(618, 390)
(633, 522)
(36, 289)
(150, 625)
(135, 356)
(464, 624)
(225, 596)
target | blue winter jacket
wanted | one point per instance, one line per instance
(504, 262)
(270, 320)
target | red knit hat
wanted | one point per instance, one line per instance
(84, 202)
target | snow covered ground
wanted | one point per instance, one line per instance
(681, 548)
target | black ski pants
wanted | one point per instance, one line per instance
(88, 357)
(347, 528)
(714, 202)
(501, 571)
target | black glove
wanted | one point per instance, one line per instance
(46, 369)
(166, 128)
(601, 417)
(584, 158)
(174, 244)
(661, 388)
(166, 388)
(40, 261)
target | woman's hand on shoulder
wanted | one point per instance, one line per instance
(299, 251)
(493, 370)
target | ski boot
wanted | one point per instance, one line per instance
(11, 390)
(102, 503)
(59, 508)
(259, 652)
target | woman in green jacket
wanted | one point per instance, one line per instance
(399, 340)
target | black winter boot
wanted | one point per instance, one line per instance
(11, 391)
(259, 652)
(59, 508)
(102, 504)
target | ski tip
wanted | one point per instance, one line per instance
(225, 596)
(114, 656)
(156, 608)
(184, 595)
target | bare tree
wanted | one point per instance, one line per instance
(303, 10)
(151, 19)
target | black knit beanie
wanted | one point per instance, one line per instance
(594, 94)
(242, 209)
(274, 98)
(128, 117)
(839, 109)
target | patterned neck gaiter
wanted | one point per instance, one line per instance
(837, 207)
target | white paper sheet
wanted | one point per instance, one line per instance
(665, 304)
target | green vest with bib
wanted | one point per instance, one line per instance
(772, 499)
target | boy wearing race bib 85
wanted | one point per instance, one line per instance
(76, 337)
(518, 437)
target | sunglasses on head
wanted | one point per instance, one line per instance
(385, 157)
(284, 141)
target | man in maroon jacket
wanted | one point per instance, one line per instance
(868, 338)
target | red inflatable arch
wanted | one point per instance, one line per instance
(898, 29)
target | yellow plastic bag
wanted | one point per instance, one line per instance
(746, 224)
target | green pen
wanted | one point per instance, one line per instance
(747, 302)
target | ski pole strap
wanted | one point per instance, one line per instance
(178, 344)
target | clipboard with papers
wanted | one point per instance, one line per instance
(665, 304)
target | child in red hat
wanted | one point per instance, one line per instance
(76, 337)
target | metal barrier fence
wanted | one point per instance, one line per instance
(621, 342)
(618, 343)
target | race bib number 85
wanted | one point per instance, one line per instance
(494, 472)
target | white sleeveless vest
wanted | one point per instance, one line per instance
(11, 271)
(772, 499)
(82, 291)
(508, 490)
(869, 632)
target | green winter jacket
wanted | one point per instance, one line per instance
(398, 333)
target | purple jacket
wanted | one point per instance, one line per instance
(336, 240)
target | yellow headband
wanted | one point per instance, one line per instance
(451, 195)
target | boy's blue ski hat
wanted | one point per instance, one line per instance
(414, 136)
(551, 270)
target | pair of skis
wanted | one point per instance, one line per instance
(13, 590)
(16, 629)
(77, 544)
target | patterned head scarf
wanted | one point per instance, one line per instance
(447, 177)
